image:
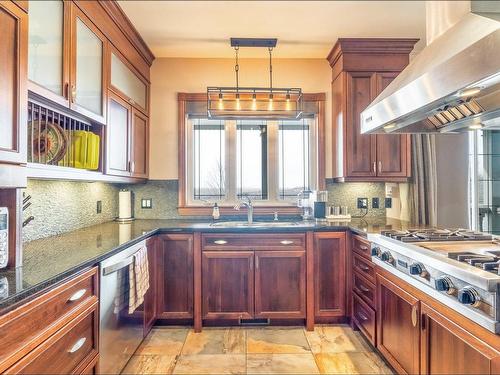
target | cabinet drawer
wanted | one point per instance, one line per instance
(364, 317)
(364, 288)
(361, 246)
(267, 241)
(27, 326)
(363, 267)
(65, 351)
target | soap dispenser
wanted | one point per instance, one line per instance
(216, 212)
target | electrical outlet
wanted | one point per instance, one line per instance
(362, 203)
(388, 202)
(375, 203)
(99, 207)
(147, 203)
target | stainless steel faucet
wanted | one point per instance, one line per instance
(249, 205)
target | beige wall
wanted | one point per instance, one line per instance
(172, 75)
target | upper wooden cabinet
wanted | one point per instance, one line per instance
(66, 58)
(13, 94)
(361, 69)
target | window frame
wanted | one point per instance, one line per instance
(187, 206)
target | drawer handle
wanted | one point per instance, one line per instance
(364, 268)
(79, 294)
(364, 289)
(363, 317)
(220, 242)
(286, 242)
(414, 317)
(78, 345)
(363, 247)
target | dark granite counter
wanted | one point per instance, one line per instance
(49, 260)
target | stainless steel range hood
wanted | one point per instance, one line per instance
(451, 86)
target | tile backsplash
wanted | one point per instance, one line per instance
(63, 206)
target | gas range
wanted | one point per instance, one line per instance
(458, 267)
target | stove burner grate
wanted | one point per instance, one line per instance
(421, 235)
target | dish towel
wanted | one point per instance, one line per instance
(139, 279)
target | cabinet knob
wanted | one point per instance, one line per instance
(77, 295)
(77, 345)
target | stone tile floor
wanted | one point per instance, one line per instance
(270, 350)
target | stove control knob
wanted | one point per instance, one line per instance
(387, 257)
(376, 252)
(418, 269)
(444, 284)
(469, 296)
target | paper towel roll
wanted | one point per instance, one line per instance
(124, 204)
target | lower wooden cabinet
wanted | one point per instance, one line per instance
(448, 348)
(175, 276)
(398, 330)
(228, 284)
(280, 284)
(330, 274)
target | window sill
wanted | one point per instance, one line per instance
(230, 211)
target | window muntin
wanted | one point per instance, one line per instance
(270, 161)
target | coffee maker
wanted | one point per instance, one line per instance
(313, 203)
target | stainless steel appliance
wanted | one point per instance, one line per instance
(120, 332)
(453, 84)
(4, 236)
(459, 268)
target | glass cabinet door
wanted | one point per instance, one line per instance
(126, 81)
(87, 75)
(46, 46)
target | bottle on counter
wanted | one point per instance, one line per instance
(216, 212)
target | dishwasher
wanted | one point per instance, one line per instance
(120, 332)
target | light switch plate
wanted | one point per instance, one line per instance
(362, 203)
(147, 203)
(375, 203)
(99, 207)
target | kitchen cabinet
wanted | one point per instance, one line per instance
(448, 348)
(280, 284)
(57, 332)
(359, 75)
(13, 98)
(398, 330)
(127, 139)
(150, 299)
(175, 276)
(228, 284)
(329, 275)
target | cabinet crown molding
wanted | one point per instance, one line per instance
(370, 46)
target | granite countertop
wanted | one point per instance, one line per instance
(49, 260)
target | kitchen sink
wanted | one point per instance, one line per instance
(255, 224)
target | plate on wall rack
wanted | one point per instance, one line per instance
(47, 142)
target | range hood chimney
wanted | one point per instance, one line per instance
(452, 85)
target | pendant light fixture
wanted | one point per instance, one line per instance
(254, 102)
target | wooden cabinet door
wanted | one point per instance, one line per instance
(361, 151)
(139, 145)
(175, 276)
(227, 284)
(48, 50)
(13, 92)
(150, 303)
(118, 137)
(447, 348)
(398, 331)
(393, 150)
(280, 284)
(329, 274)
(88, 74)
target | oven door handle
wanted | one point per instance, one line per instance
(117, 266)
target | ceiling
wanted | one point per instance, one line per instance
(305, 29)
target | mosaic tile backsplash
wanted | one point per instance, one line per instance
(63, 206)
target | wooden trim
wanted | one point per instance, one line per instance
(121, 20)
(184, 210)
(387, 46)
(197, 282)
(310, 281)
